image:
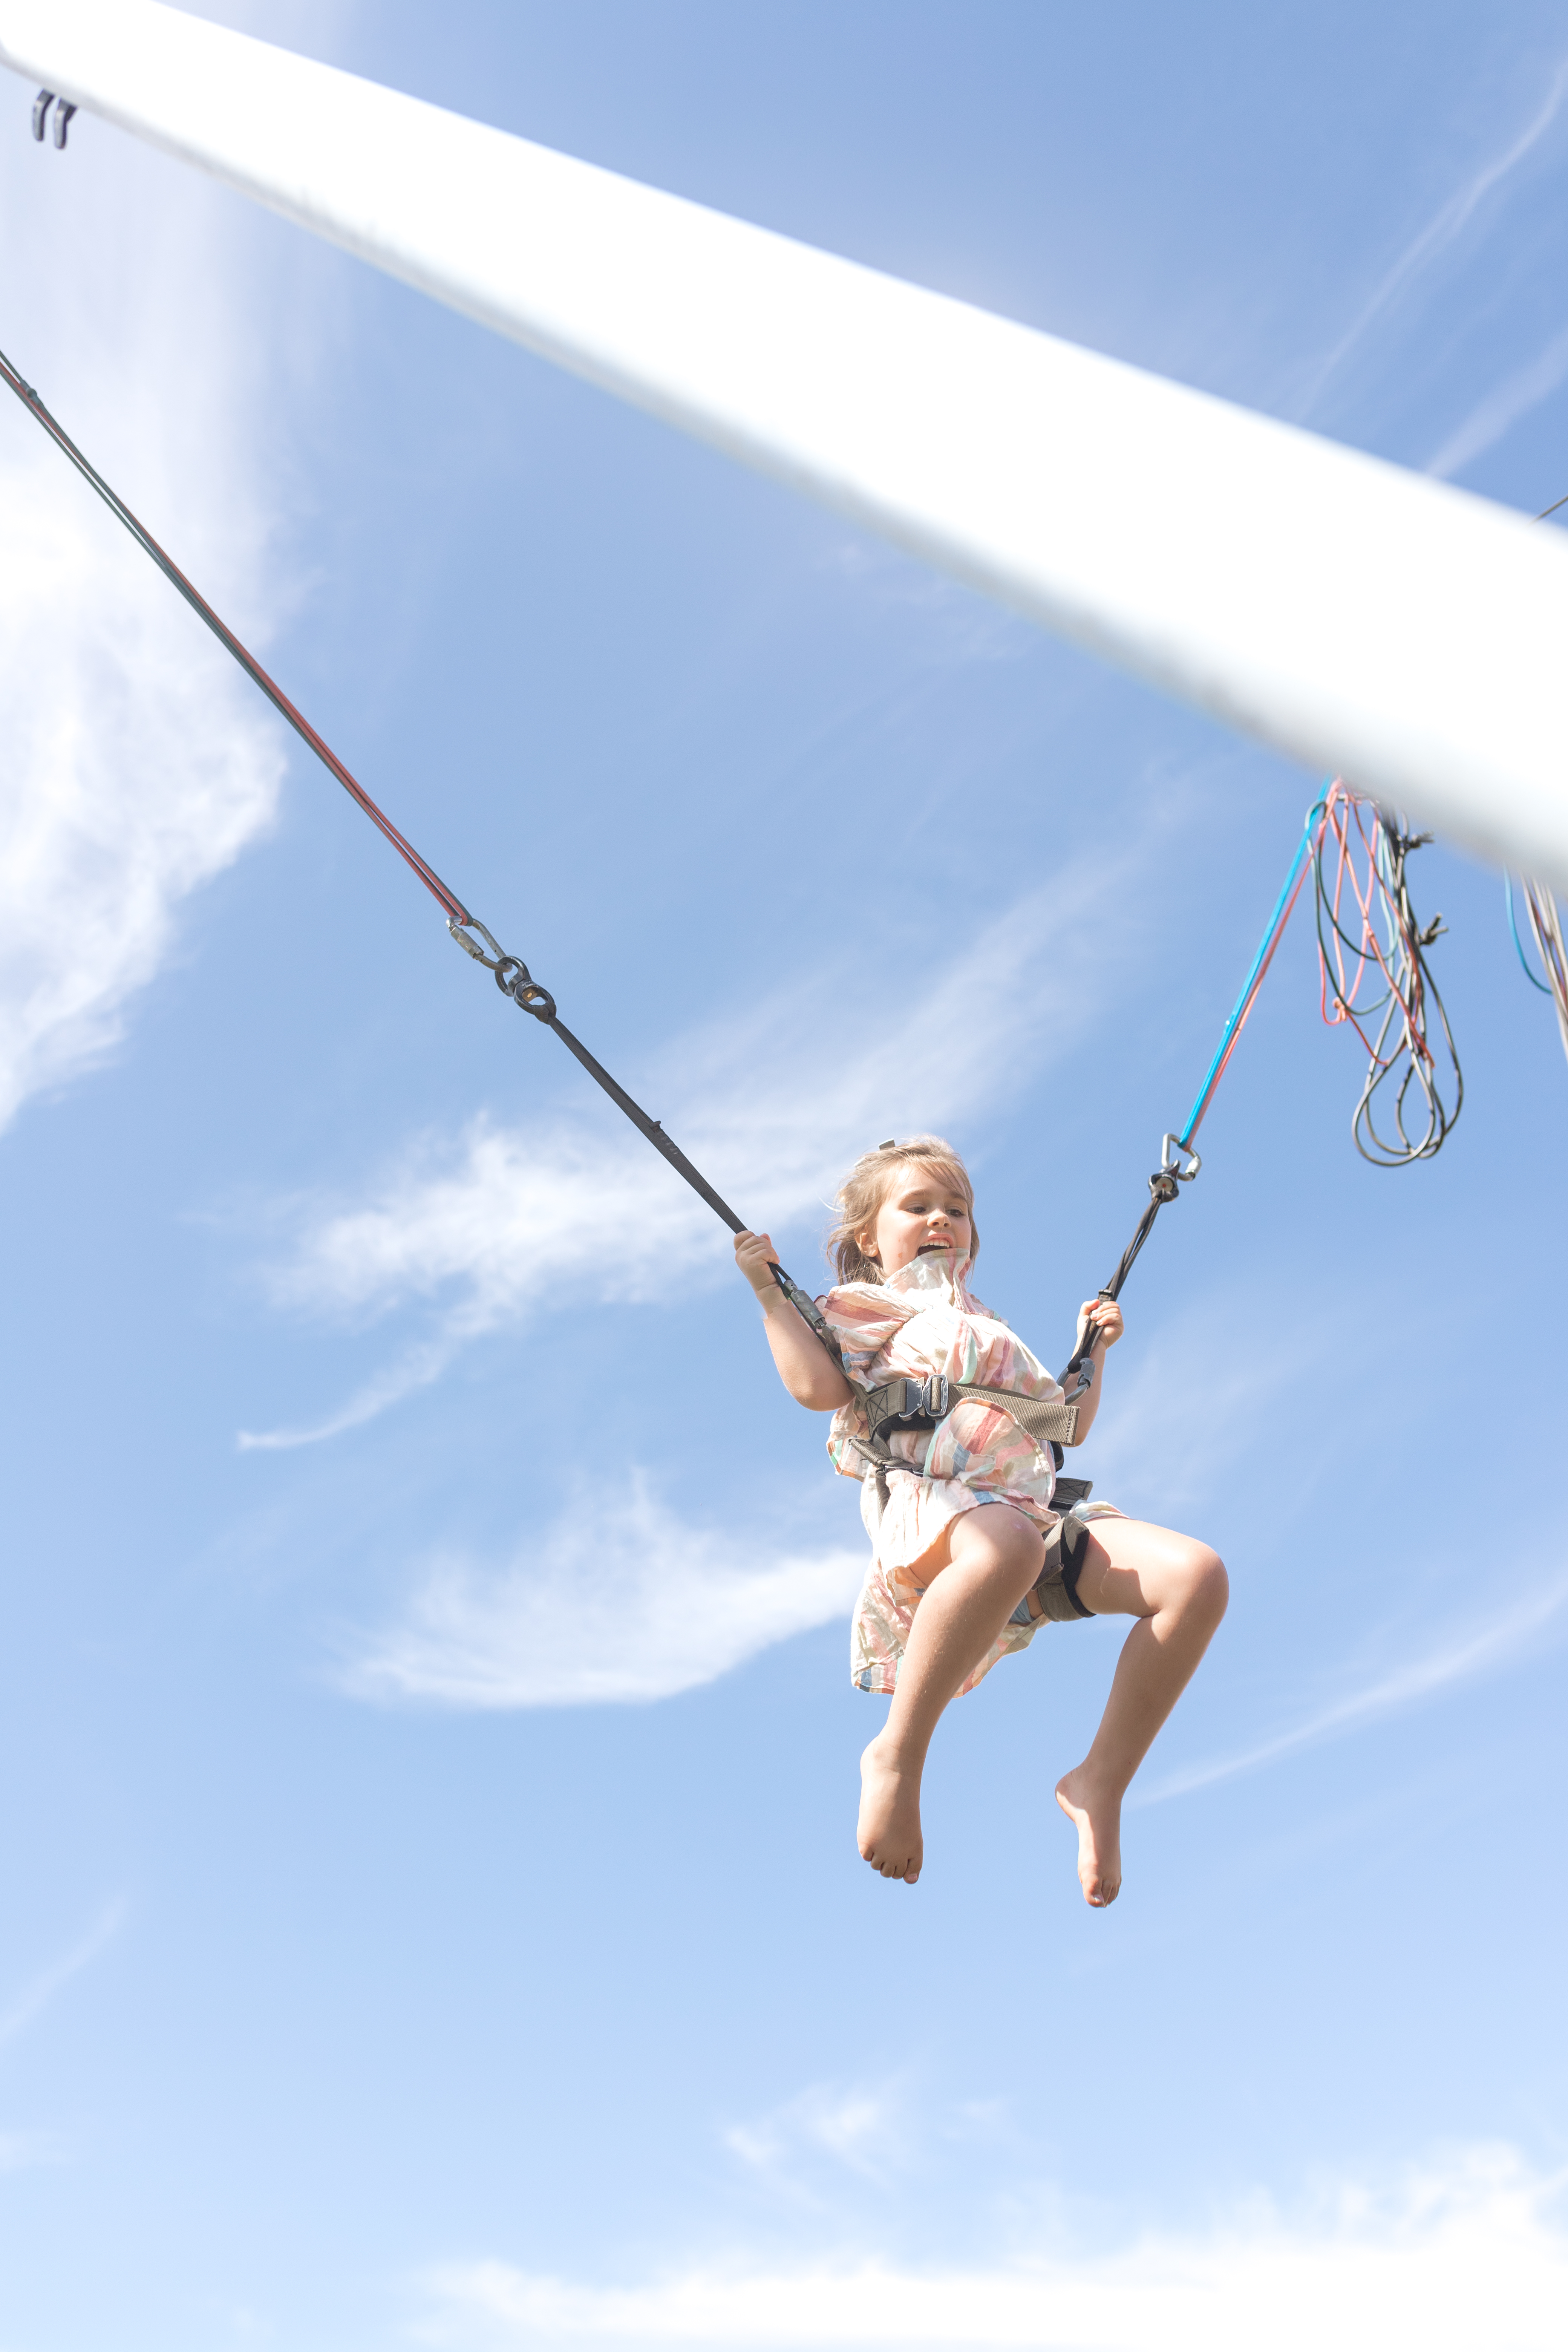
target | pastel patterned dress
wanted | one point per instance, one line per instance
(924, 1319)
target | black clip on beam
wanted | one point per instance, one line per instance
(63, 112)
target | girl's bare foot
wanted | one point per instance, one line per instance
(888, 1834)
(1098, 1817)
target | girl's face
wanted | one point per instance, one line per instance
(924, 1211)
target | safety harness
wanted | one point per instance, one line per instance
(1051, 1422)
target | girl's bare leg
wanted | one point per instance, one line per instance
(988, 1560)
(1177, 1589)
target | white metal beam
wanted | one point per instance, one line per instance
(1355, 615)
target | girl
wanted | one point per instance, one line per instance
(969, 1554)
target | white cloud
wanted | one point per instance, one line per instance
(35, 1998)
(30, 2151)
(139, 761)
(771, 1106)
(413, 1370)
(1447, 225)
(132, 777)
(1459, 1658)
(1464, 2255)
(1502, 409)
(860, 2130)
(619, 1601)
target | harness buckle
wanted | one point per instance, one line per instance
(910, 1404)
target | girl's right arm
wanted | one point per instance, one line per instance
(805, 1368)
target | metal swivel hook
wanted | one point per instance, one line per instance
(512, 976)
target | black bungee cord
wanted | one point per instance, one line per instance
(511, 975)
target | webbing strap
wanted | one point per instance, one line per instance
(1046, 1419)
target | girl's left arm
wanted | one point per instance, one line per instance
(1103, 1317)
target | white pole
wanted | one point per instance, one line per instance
(1356, 616)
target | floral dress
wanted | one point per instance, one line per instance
(924, 1319)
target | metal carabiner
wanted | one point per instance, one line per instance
(1171, 1150)
(460, 933)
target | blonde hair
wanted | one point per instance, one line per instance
(859, 1199)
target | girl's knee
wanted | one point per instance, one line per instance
(1002, 1527)
(1027, 1540)
(1004, 1537)
(1205, 1585)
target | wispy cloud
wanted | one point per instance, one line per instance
(1466, 2252)
(139, 763)
(35, 1998)
(968, 627)
(862, 2130)
(416, 1368)
(1165, 1441)
(30, 2151)
(619, 1601)
(771, 1104)
(1502, 409)
(1458, 1659)
(488, 1234)
(1447, 225)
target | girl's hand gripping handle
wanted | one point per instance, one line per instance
(1100, 1322)
(756, 1257)
(805, 1368)
(1099, 1327)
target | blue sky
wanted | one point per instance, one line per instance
(432, 1913)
